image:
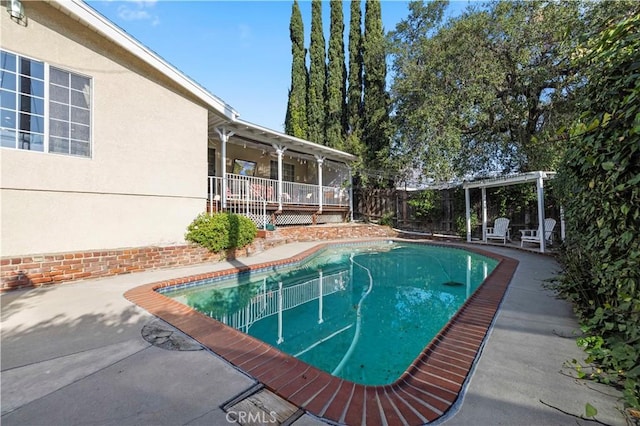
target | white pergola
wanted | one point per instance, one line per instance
(538, 177)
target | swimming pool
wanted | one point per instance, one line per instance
(360, 312)
(424, 393)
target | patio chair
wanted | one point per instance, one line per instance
(499, 230)
(531, 235)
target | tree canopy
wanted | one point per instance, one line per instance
(487, 92)
(336, 80)
(295, 123)
(375, 107)
(316, 90)
(354, 86)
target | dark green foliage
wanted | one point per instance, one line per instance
(296, 119)
(600, 179)
(427, 204)
(317, 78)
(487, 91)
(336, 80)
(376, 126)
(221, 231)
(461, 224)
(386, 219)
(354, 88)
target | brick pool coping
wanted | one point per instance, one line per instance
(424, 392)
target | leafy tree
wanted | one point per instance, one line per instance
(317, 77)
(375, 110)
(600, 178)
(296, 119)
(336, 80)
(488, 91)
(353, 128)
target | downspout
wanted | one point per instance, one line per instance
(224, 138)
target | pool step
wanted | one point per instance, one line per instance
(259, 406)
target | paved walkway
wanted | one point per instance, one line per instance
(74, 354)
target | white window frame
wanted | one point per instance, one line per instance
(47, 100)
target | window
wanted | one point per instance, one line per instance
(211, 161)
(69, 113)
(244, 167)
(27, 88)
(288, 174)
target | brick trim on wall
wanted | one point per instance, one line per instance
(47, 269)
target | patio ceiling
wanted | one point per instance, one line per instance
(262, 137)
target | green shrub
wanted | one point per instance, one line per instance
(600, 180)
(221, 231)
(427, 204)
(461, 224)
(386, 219)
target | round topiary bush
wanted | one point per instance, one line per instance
(221, 231)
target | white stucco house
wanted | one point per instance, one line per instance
(104, 145)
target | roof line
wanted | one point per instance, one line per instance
(93, 19)
(509, 180)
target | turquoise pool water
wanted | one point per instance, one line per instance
(360, 312)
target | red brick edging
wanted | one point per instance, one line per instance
(47, 269)
(55, 268)
(424, 392)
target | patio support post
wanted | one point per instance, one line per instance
(484, 214)
(562, 224)
(467, 204)
(280, 151)
(540, 185)
(350, 195)
(320, 161)
(224, 138)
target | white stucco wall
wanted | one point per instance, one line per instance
(146, 179)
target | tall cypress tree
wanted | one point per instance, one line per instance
(336, 80)
(296, 120)
(375, 111)
(317, 77)
(354, 91)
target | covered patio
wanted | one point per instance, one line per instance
(537, 177)
(274, 178)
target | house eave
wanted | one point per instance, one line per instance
(86, 15)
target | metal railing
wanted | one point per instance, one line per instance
(253, 190)
(246, 200)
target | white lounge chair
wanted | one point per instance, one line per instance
(532, 235)
(499, 231)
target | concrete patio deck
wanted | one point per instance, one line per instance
(74, 354)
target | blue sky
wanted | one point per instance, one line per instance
(238, 50)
